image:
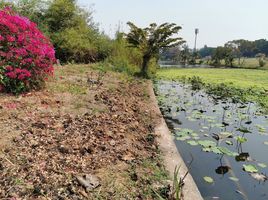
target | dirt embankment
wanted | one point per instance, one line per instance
(84, 124)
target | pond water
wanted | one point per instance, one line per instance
(227, 142)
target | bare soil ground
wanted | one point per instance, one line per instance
(84, 123)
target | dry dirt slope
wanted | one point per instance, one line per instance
(85, 122)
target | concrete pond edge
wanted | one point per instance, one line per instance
(171, 156)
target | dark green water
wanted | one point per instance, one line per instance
(238, 130)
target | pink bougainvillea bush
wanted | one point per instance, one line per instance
(26, 55)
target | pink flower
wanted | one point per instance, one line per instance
(11, 75)
(9, 68)
(10, 38)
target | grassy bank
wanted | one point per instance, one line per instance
(250, 63)
(247, 63)
(247, 84)
(86, 122)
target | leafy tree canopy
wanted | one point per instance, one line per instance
(152, 39)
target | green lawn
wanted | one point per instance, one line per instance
(243, 78)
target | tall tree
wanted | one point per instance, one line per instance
(225, 53)
(206, 51)
(151, 39)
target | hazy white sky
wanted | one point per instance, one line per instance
(218, 20)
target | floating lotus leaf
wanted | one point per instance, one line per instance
(224, 135)
(250, 168)
(261, 128)
(217, 125)
(186, 131)
(211, 120)
(194, 135)
(234, 179)
(243, 130)
(241, 139)
(216, 150)
(208, 179)
(227, 151)
(207, 143)
(229, 142)
(183, 138)
(192, 143)
(206, 149)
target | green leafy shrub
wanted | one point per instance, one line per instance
(74, 34)
(122, 58)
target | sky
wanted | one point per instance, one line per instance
(218, 21)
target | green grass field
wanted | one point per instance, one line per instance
(251, 63)
(243, 78)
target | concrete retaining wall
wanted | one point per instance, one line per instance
(172, 158)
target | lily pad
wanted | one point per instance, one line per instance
(216, 150)
(234, 179)
(207, 143)
(208, 179)
(224, 135)
(191, 119)
(192, 142)
(206, 149)
(184, 131)
(196, 138)
(218, 125)
(241, 139)
(229, 142)
(227, 151)
(250, 168)
(183, 138)
(261, 128)
(194, 135)
(266, 143)
(243, 130)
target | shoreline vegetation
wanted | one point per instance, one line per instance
(238, 84)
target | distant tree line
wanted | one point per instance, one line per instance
(244, 48)
(180, 54)
(232, 50)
